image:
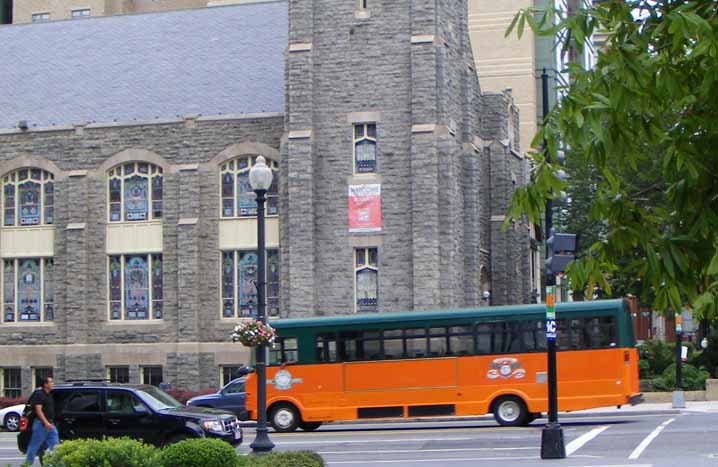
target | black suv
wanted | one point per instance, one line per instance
(96, 410)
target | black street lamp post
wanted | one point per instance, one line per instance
(552, 444)
(260, 178)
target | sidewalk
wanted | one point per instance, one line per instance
(707, 407)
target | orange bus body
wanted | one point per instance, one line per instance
(335, 392)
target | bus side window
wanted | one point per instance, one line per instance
(539, 335)
(438, 342)
(326, 348)
(371, 345)
(515, 343)
(394, 343)
(461, 340)
(285, 350)
(348, 348)
(416, 346)
(484, 338)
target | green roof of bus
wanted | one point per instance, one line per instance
(492, 311)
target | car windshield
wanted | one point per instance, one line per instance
(158, 400)
(235, 387)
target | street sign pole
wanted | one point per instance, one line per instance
(552, 445)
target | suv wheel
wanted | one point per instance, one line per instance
(284, 417)
(12, 421)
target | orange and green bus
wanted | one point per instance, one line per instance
(447, 362)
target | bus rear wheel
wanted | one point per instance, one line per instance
(510, 411)
(284, 417)
(310, 426)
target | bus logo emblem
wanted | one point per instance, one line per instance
(505, 368)
(283, 380)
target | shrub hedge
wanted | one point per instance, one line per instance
(200, 452)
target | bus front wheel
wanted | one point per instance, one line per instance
(284, 417)
(510, 411)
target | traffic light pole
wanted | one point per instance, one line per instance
(552, 444)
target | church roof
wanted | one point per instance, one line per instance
(208, 61)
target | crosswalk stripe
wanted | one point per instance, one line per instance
(579, 442)
(648, 439)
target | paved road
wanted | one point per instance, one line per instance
(644, 440)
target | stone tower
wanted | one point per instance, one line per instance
(405, 68)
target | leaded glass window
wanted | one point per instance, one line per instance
(28, 290)
(366, 273)
(239, 277)
(28, 198)
(238, 199)
(135, 287)
(365, 148)
(134, 192)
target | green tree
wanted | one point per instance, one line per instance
(645, 119)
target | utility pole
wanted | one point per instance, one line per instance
(552, 444)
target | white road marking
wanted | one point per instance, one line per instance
(421, 451)
(644, 444)
(579, 442)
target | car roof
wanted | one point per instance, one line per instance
(99, 385)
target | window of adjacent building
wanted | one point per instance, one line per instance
(40, 17)
(152, 375)
(84, 13)
(10, 382)
(239, 275)
(229, 373)
(135, 286)
(135, 192)
(364, 148)
(28, 198)
(28, 292)
(40, 373)
(118, 374)
(363, 4)
(238, 199)
(366, 282)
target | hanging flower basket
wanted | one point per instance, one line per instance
(254, 333)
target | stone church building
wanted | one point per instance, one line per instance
(128, 236)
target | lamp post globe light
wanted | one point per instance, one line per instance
(260, 179)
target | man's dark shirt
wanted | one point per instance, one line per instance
(39, 397)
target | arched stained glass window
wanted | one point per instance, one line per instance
(366, 285)
(28, 290)
(134, 192)
(135, 287)
(239, 290)
(238, 199)
(28, 197)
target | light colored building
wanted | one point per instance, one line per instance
(26, 11)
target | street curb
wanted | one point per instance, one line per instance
(473, 418)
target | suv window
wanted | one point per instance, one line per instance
(121, 402)
(235, 387)
(83, 401)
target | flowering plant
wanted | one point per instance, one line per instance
(254, 333)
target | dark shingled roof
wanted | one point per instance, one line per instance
(209, 61)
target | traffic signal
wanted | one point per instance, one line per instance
(561, 251)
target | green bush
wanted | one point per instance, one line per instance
(657, 355)
(692, 378)
(287, 459)
(110, 452)
(200, 452)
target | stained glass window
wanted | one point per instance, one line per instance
(135, 192)
(28, 292)
(49, 289)
(135, 287)
(237, 197)
(239, 276)
(9, 290)
(365, 148)
(137, 293)
(25, 192)
(367, 279)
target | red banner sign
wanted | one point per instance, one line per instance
(365, 208)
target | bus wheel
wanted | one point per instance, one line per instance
(310, 426)
(284, 417)
(510, 411)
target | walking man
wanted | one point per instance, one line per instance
(43, 428)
